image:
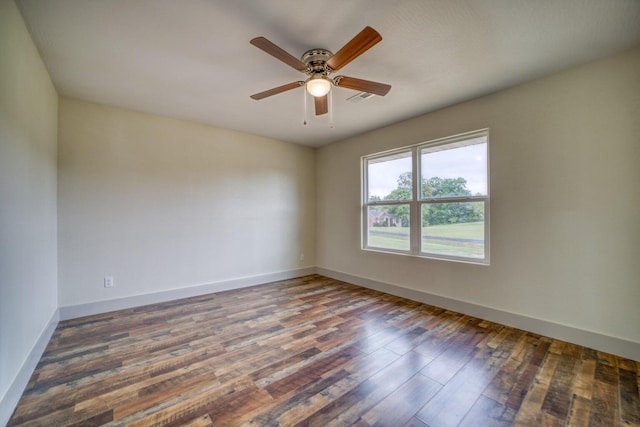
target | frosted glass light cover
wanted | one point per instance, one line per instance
(318, 86)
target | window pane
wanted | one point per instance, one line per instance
(455, 229)
(457, 169)
(388, 227)
(389, 177)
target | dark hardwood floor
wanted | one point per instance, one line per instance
(318, 352)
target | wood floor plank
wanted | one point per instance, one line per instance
(530, 411)
(604, 403)
(512, 381)
(401, 405)
(315, 396)
(291, 408)
(315, 351)
(558, 398)
(309, 373)
(346, 409)
(204, 421)
(488, 412)
(523, 382)
(415, 422)
(451, 404)
(629, 396)
(580, 411)
(461, 350)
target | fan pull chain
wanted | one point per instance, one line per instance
(304, 109)
(331, 108)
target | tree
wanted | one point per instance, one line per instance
(449, 213)
(439, 187)
(401, 192)
(435, 213)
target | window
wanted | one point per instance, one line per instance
(429, 200)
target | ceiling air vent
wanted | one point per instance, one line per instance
(359, 97)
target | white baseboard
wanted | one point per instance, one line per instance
(597, 341)
(80, 310)
(10, 400)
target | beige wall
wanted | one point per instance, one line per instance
(162, 204)
(28, 254)
(565, 201)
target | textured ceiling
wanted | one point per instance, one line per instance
(191, 59)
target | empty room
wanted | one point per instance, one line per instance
(296, 213)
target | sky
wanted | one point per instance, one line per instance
(469, 162)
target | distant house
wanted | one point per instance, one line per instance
(379, 218)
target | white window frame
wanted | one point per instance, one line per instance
(416, 202)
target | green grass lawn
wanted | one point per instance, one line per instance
(389, 238)
(398, 238)
(466, 230)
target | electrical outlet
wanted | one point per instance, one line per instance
(301, 256)
(108, 282)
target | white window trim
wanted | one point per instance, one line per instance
(415, 205)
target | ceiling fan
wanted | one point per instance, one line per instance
(319, 63)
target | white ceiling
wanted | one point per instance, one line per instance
(191, 59)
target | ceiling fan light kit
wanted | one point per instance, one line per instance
(318, 86)
(319, 63)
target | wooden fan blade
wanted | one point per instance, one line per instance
(322, 105)
(356, 47)
(277, 90)
(279, 53)
(375, 88)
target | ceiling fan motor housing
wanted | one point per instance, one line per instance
(316, 61)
